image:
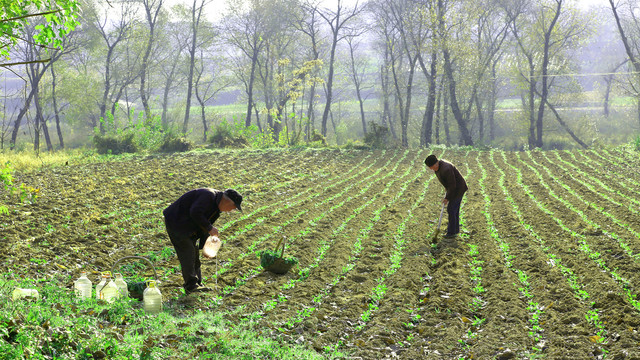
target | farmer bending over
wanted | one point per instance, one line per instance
(190, 218)
(454, 184)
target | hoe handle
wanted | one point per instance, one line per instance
(440, 219)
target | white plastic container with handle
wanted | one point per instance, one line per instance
(211, 247)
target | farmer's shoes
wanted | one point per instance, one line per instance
(197, 289)
(450, 236)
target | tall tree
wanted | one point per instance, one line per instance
(30, 54)
(357, 67)
(337, 19)
(545, 33)
(112, 32)
(246, 29)
(628, 23)
(196, 17)
(309, 24)
(152, 10)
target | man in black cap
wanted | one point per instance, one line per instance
(455, 185)
(190, 218)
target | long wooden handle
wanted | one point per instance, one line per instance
(441, 212)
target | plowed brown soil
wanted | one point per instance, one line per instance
(555, 275)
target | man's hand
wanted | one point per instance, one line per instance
(214, 231)
(445, 201)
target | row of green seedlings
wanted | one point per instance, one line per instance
(592, 317)
(630, 187)
(475, 276)
(535, 310)
(252, 248)
(623, 244)
(156, 224)
(602, 185)
(552, 259)
(379, 291)
(274, 185)
(396, 260)
(301, 315)
(289, 202)
(159, 225)
(395, 257)
(624, 181)
(130, 215)
(628, 162)
(584, 246)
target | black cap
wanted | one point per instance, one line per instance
(235, 197)
(430, 160)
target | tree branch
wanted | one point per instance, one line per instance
(30, 15)
(25, 62)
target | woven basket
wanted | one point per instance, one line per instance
(277, 263)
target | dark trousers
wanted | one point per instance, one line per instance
(453, 210)
(187, 251)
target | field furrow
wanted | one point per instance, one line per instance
(547, 264)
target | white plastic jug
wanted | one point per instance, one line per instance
(20, 293)
(83, 286)
(103, 281)
(110, 291)
(211, 247)
(152, 298)
(122, 285)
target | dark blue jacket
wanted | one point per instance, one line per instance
(194, 212)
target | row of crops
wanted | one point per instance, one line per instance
(546, 265)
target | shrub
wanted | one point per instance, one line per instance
(115, 144)
(172, 143)
(637, 143)
(316, 137)
(226, 135)
(377, 136)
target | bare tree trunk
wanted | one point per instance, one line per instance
(492, 103)
(165, 96)
(427, 121)
(56, 111)
(329, 94)
(445, 119)
(357, 82)
(565, 126)
(628, 47)
(438, 113)
(545, 70)
(254, 61)
(152, 17)
(195, 24)
(480, 116)
(18, 122)
(455, 108)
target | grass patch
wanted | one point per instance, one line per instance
(58, 326)
(28, 160)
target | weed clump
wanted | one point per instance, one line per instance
(224, 135)
(175, 144)
(115, 144)
(378, 136)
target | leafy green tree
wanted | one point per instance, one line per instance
(60, 19)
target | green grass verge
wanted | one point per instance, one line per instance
(56, 326)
